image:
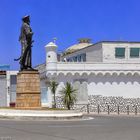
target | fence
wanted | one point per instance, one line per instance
(108, 109)
(102, 104)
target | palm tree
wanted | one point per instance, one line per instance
(53, 86)
(68, 95)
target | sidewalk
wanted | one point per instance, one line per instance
(7, 113)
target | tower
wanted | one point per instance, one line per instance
(51, 57)
(51, 66)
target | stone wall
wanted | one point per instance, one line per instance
(28, 90)
(111, 104)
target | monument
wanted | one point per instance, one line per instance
(28, 81)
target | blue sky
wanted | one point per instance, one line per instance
(67, 20)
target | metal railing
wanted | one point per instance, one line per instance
(108, 109)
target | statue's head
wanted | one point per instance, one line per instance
(26, 19)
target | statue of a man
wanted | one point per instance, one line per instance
(26, 43)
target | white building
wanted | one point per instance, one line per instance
(107, 70)
(7, 86)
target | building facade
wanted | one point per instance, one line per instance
(7, 86)
(105, 73)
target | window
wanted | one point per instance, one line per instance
(75, 59)
(79, 58)
(69, 59)
(83, 57)
(134, 52)
(119, 52)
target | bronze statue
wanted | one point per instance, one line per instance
(26, 43)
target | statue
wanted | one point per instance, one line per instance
(26, 43)
(28, 81)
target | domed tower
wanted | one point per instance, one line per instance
(51, 56)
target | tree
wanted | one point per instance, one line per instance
(68, 95)
(53, 86)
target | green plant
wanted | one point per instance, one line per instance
(68, 95)
(53, 86)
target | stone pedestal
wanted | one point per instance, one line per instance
(28, 90)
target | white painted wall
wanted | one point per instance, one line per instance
(51, 56)
(105, 75)
(82, 92)
(94, 53)
(123, 85)
(105, 52)
(8, 74)
(109, 52)
(126, 86)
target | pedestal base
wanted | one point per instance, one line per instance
(28, 90)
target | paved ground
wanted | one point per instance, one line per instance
(100, 128)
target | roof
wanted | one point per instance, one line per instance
(2, 72)
(40, 65)
(51, 44)
(83, 43)
(80, 46)
(118, 42)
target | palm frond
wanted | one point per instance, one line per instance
(68, 95)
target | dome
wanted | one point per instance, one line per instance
(83, 43)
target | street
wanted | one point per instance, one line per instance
(99, 128)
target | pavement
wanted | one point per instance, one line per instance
(39, 114)
(99, 128)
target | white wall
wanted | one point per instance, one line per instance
(105, 52)
(107, 85)
(109, 52)
(46, 95)
(126, 86)
(9, 93)
(94, 53)
(62, 79)
(3, 88)
(81, 87)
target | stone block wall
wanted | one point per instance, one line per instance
(28, 90)
(111, 104)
